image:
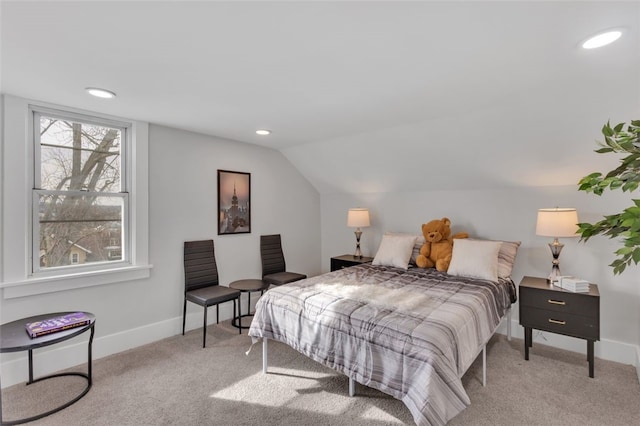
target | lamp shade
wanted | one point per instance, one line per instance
(358, 218)
(557, 222)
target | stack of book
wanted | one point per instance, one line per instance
(574, 284)
(56, 324)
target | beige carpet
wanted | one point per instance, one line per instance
(176, 382)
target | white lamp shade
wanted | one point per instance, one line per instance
(557, 222)
(358, 218)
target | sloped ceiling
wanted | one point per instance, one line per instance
(361, 96)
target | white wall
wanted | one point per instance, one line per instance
(508, 214)
(182, 206)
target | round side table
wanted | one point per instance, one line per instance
(14, 338)
(247, 286)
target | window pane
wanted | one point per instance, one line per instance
(80, 229)
(79, 157)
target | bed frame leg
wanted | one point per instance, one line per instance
(264, 355)
(352, 387)
(509, 325)
(484, 365)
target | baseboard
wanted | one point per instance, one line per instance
(610, 350)
(59, 357)
(14, 368)
(638, 362)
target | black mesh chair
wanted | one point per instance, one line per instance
(201, 282)
(273, 266)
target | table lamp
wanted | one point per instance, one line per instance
(557, 223)
(358, 218)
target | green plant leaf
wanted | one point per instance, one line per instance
(625, 177)
(604, 150)
(607, 130)
(618, 127)
(615, 184)
(630, 186)
(624, 250)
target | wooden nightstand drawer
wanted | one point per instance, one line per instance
(585, 327)
(560, 301)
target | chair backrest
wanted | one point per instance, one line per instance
(200, 269)
(271, 254)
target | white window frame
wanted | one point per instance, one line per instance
(17, 278)
(35, 113)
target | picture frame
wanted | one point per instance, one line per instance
(234, 202)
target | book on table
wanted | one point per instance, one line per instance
(577, 289)
(574, 284)
(56, 324)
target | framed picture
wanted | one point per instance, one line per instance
(234, 202)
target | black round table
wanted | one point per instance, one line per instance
(247, 286)
(14, 338)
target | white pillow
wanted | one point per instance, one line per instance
(416, 246)
(475, 259)
(506, 257)
(395, 250)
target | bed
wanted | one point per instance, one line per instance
(409, 333)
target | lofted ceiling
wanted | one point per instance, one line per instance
(363, 96)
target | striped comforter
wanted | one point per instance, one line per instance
(411, 334)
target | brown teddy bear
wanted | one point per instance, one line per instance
(438, 246)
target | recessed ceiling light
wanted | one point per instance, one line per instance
(100, 93)
(263, 132)
(602, 39)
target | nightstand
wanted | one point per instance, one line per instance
(346, 260)
(555, 310)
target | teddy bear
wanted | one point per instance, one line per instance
(438, 246)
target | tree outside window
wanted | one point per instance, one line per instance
(80, 199)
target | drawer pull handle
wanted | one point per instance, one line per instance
(557, 322)
(556, 302)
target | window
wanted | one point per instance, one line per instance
(113, 204)
(80, 196)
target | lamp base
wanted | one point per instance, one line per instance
(358, 254)
(553, 277)
(556, 247)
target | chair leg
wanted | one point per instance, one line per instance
(239, 316)
(204, 328)
(184, 315)
(217, 314)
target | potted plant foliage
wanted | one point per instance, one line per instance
(625, 177)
